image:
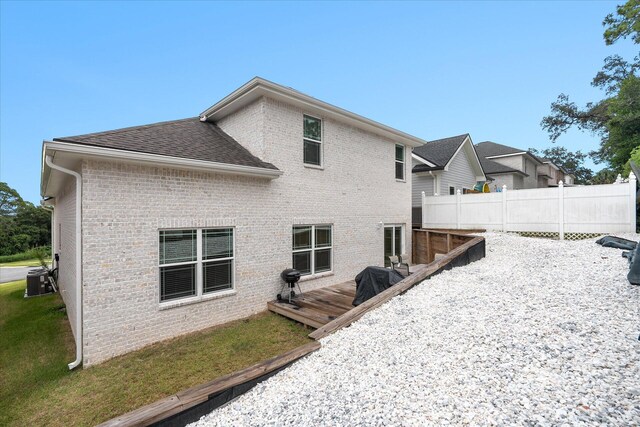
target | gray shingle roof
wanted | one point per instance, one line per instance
(186, 138)
(489, 149)
(438, 152)
(491, 167)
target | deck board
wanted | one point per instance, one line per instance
(318, 307)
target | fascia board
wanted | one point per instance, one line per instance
(422, 160)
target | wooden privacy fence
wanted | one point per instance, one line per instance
(607, 208)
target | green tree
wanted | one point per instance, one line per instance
(615, 118)
(569, 160)
(624, 23)
(604, 176)
(22, 224)
(10, 200)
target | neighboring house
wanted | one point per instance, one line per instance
(513, 167)
(555, 174)
(168, 228)
(442, 167)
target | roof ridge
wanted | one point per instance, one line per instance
(128, 128)
(450, 137)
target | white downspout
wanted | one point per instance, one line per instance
(78, 178)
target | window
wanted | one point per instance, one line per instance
(452, 191)
(185, 253)
(400, 162)
(312, 141)
(312, 245)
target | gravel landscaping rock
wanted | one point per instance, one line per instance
(540, 332)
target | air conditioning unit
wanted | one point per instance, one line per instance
(38, 282)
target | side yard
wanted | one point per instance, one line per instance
(36, 388)
(540, 332)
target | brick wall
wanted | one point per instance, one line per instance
(124, 206)
(64, 224)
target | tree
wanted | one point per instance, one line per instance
(573, 162)
(10, 200)
(615, 118)
(625, 24)
(22, 224)
(604, 176)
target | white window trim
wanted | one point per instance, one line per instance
(454, 190)
(304, 138)
(313, 249)
(403, 161)
(199, 262)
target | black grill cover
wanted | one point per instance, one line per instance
(373, 280)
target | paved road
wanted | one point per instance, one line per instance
(9, 274)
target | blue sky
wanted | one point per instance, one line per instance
(432, 69)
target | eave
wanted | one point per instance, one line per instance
(80, 151)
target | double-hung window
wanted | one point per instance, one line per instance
(195, 262)
(400, 162)
(312, 248)
(312, 140)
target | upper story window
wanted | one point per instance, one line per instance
(400, 162)
(312, 140)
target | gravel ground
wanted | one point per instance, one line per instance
(540, 332)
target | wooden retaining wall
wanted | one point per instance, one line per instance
(426, 243)
(173, 410)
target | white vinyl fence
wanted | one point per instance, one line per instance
(585, 209)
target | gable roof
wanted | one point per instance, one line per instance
(438, 152)
(187, 138)
(259, 87)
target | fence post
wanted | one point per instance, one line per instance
(561, 210)
(504, 207)
(422, 211)
(632, 201)
(458, 208)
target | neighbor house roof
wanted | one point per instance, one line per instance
(494, 168)
(186, 138)
(438, 152)
(491, 149)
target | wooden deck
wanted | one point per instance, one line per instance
(318, 307)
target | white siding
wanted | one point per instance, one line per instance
(500, 180)
(514, 162)
(530, 181)
(460, 174)
(420, 183)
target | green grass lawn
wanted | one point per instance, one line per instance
(25, 263)
(36, 387)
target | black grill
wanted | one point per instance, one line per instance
(291, 276)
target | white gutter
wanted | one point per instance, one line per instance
(76, 175)
(160, 160)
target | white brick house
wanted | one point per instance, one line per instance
(169, 228)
